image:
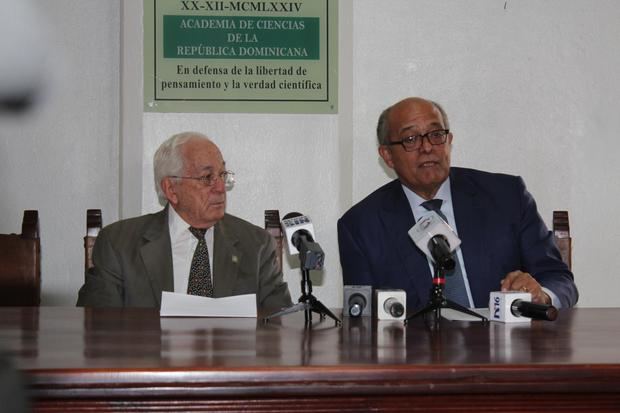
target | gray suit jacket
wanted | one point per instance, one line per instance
(133, 264)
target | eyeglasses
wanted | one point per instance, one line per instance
(414, 142)
(228, 177)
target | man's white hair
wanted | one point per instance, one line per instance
(168, 159)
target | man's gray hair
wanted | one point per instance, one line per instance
(168, 160)
(383, 126)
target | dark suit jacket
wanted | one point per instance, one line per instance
(133, 264)
(498, 224)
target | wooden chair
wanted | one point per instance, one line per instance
(93, 226)
(273, 227)
(20, 264)
(561, 233)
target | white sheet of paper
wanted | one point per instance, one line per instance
(454, 315)
(185, 305)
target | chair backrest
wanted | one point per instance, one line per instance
(20, 264)
(273, 227)
(561, 233)
(93, 226)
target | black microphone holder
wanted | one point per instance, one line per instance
(307, 303)
(439, 301)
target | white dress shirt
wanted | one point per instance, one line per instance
(183, 244)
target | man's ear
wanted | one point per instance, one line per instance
(386, 154)
(169, 189)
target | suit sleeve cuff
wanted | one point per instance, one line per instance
(555, 301)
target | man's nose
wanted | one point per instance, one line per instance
(219, 185)
(426, 145)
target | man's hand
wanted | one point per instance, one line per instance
(523, 281)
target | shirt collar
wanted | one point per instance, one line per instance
(444, 193)
(177, 226)
(179, 229)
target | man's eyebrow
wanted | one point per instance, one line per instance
(415, 127)
(207, 169)
(406, 129)
(210, 168)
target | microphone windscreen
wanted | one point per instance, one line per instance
(440, 251)
(430, 226)
(291, 215)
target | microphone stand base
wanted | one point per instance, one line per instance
(439, 301)
(308, 304)
(435, 306)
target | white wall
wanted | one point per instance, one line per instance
(531, 88)
(61, 157)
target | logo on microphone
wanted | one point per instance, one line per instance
(496, 307)
(425, 223)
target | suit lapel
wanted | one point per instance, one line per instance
(226, 259)
(157, 256)
(471, 222)
(398, 219)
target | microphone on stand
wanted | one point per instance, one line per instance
(436, 239)
(299, 233)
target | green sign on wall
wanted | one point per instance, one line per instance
(240, 56)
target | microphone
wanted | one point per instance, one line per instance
(436, 239)
(516, 307)
(357, 300)
(394, 307)
(299, 234)
(390, 304)
(532, 310)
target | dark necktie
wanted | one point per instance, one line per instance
(454, 289)
(200, 273)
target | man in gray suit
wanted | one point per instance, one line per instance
(138, 258)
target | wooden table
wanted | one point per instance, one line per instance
(119, 360)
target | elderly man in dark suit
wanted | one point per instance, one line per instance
(191, 246)
(505, 244)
